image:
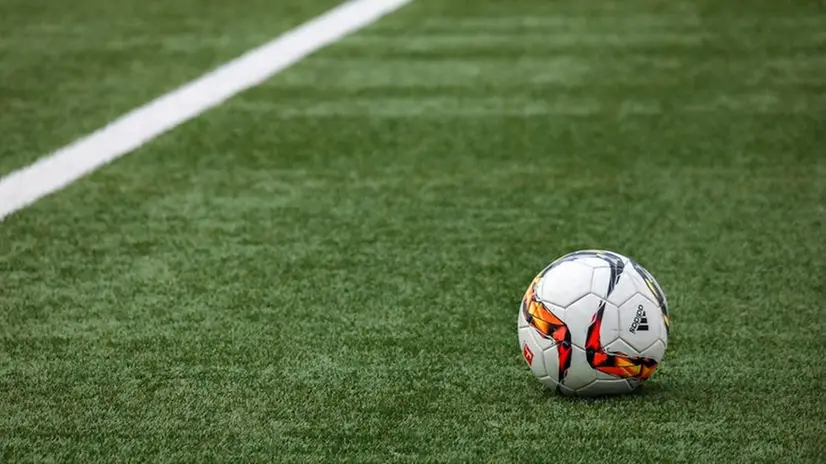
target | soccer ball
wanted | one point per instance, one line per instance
(593, 323)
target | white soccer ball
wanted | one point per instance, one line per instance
(593, 323)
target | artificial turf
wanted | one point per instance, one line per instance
(328, 267)
(65, 72)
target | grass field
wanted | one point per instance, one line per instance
(328, 267)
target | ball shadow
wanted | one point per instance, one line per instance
(649, 391)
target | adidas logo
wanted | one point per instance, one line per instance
(640, 321)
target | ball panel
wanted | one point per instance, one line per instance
(550, 329)
(605, 376)
(651, 284)
(557, 311)
(655, 351)
(578, 317)
(580, 373)
(564, 283)
(609, 327)
(623, 289)
(640, 322)
(620, 347)
(620, 361)
(593, 261)
(650, 289)
(532, 352)
(550, 358)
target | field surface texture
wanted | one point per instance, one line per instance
(328, 267)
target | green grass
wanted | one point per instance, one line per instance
(66, 72)
(328, 267)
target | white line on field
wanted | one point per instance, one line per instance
(59, 169)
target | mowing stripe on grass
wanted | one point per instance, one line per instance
(123, 135)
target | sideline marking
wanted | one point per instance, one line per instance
(51, 173)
